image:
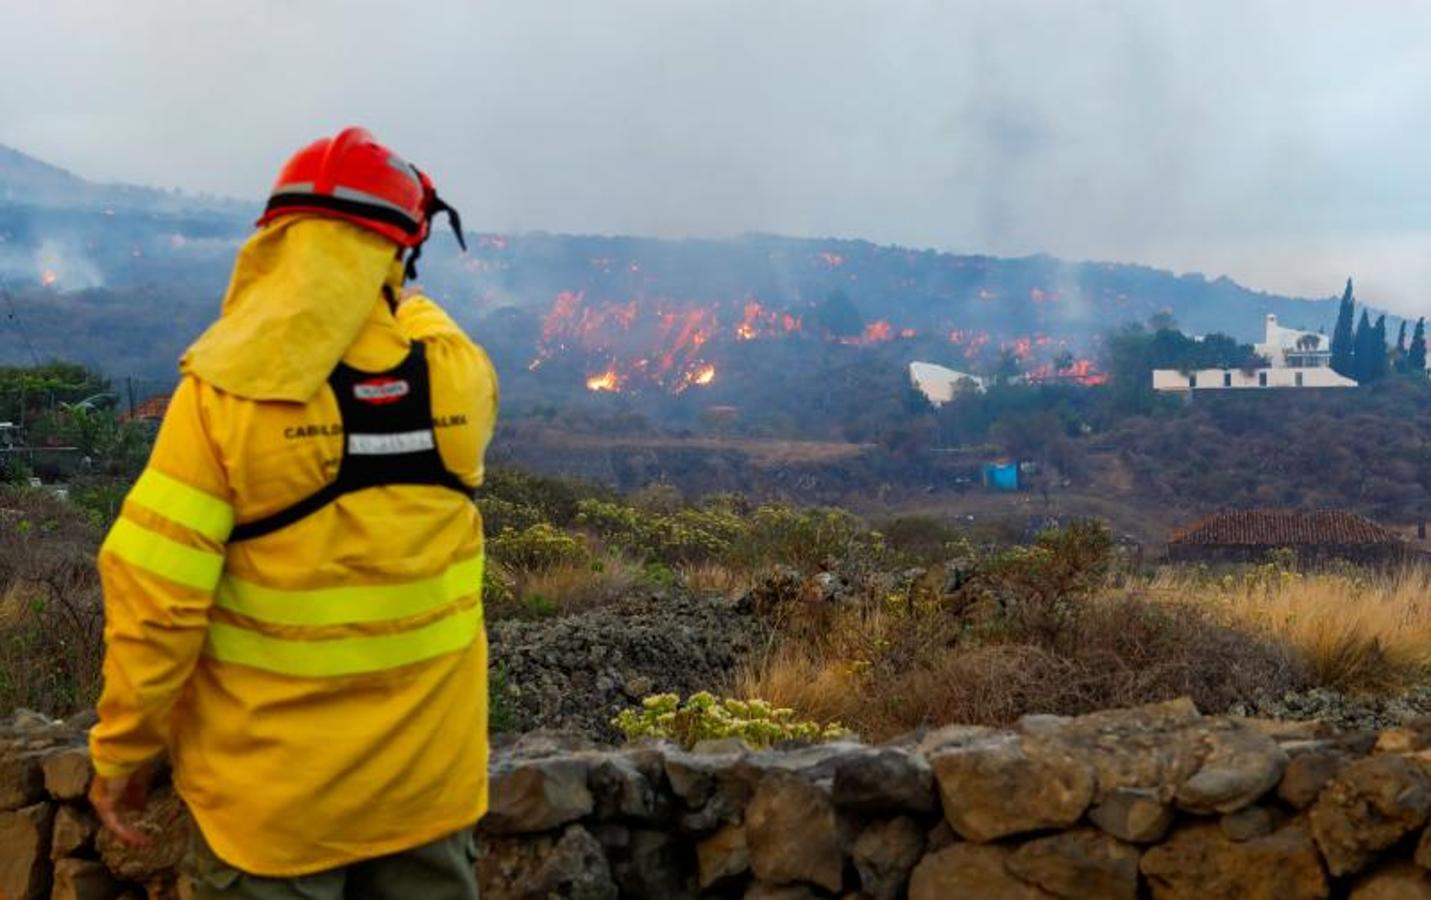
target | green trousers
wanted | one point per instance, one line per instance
(442, 870)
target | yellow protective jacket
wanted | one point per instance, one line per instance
(322, 689)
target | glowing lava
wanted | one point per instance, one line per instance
(606, 381)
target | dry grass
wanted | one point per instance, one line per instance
(1358, 632)
(714, 579)
(51, 618)
(570, 587)
(889, 666)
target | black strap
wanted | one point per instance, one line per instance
(435, 205)
(384, 214)
(394, 405)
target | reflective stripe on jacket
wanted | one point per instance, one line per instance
(321, 689)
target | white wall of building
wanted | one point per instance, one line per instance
(1255, 379)
(1278, 343)
(942, 384)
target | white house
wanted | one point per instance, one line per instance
(1296, 359)
(1289, 348)
(941, 384)
(1253, 379)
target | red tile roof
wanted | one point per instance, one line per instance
(152, 409)
(1284, 528)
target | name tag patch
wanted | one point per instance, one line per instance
(390, 444)
(378, 391)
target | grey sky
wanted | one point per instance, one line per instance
(1287, 144)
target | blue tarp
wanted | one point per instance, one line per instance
(1001, 476)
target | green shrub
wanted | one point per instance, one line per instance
(703, 717)
(537, 548)
(804, 538)
(690, 534)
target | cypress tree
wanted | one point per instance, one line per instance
(1398, 356)
(1343, 342)
(1376, 361)
(1361, 349)
(1416, 353)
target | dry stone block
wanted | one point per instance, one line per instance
(1249, 822)
(722, 856)
(75, 829)
(83, 879)
(884, 781)
(1394, 881)
(969, 870)
(169, 827)
(1078, 864)
(1369, 806)
(22, 780)
(1133, 814)
(793, 833)
(619, 789)
(1241, 766)
(994, 788)
(885, 853)
(67, 773)
(1198, 862)
(760, 891)
(1423, 849)
(651, 866)
(537, 795)
(520, 868)
(1307, 773)
(24, 852)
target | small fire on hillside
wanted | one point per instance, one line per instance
(49, 277)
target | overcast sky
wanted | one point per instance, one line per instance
(1287, 144)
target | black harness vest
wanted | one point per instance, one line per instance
(388, 438)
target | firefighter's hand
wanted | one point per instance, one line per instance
(409, 293)
(111, 796)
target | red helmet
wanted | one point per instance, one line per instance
(353, 177)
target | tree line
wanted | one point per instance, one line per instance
(1360, 351)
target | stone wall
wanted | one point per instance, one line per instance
(1157, 801)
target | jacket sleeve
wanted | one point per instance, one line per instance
(465, 383)
(159, 567)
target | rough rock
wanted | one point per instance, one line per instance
(722, 856)
(1422, 855)
(1396, 881)
(167, 823)
(620, 789)
(994, 788)
(715, 789)
(75, 829)
(885, 853)
(1249, 822)
(884, 781)
(969, 870)
(537, 795)
(652, 865)
(24, 864)
(579, 671)
(1156, 747)
(1242, 765)
(572, 866)
(1198, 862)
(1307, 773)
(761, 891)
(1081, 863)
(1133, 814)
(22, 780)
(793, 833)
(83, 879)
(67, 773)
(1370, 804)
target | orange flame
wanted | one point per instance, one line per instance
(49, 277)
(606, 381)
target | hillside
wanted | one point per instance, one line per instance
(629, 315)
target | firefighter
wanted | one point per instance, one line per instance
(292, 589)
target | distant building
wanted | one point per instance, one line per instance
(1295, 359)
(941, 385)
(1249, 535)
(1288, 348)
